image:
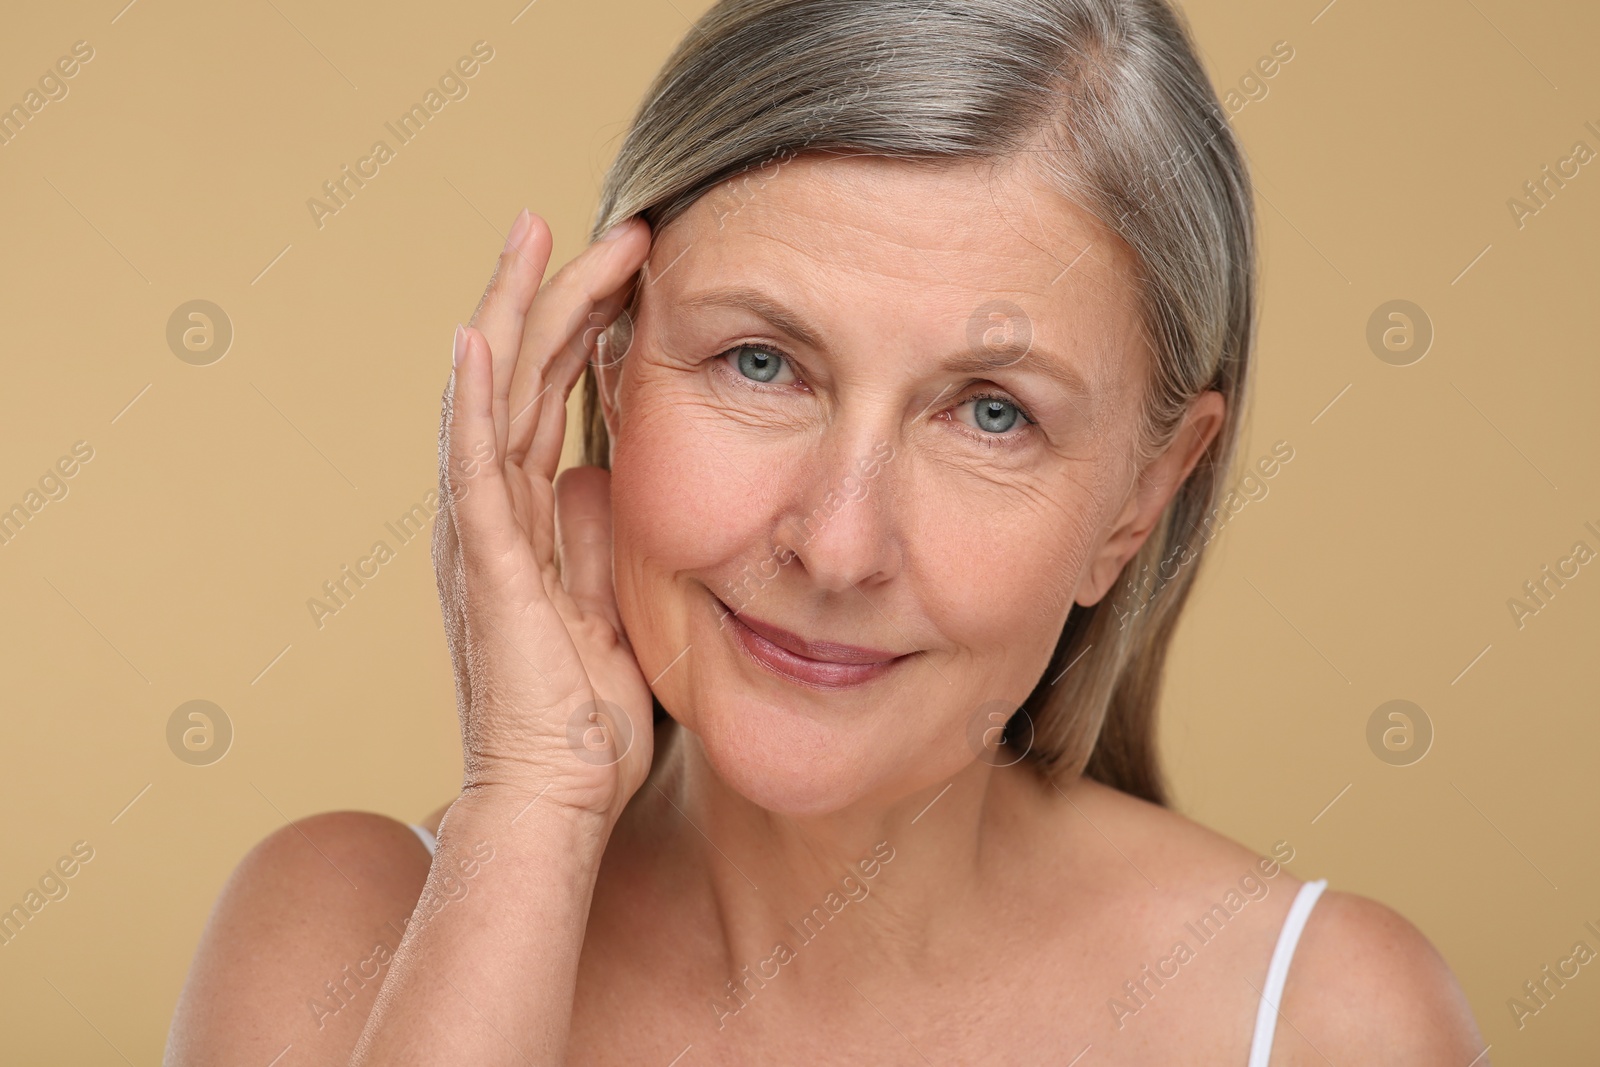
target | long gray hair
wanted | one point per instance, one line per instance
(1110, 96)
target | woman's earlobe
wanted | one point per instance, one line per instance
(1095, 583)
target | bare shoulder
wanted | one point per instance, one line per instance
(1166, 846)
(1366, 986)
(298, 941)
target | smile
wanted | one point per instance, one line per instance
(818, 664)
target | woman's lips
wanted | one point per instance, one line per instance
(822, 664)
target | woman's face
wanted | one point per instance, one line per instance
(876, 405)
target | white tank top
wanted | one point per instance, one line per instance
(1277, 971)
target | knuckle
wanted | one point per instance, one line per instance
(564, 275)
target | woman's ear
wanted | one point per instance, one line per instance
(605, 377)
(1153, 490)
(606, 365)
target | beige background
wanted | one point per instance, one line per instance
(180, 563)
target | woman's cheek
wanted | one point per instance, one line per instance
(1011, 609)
(686, 512)
(682, 499)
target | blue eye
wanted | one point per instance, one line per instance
(994, 415)
(758, 364)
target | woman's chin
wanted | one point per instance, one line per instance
(791, 765)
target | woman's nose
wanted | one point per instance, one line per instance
(844, 529)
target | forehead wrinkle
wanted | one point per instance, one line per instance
(1031, 193)
(968, 272)
(829, 241)
(820, 264)
(769, 299)
(957, 243)
(949, 250)
(839, 249)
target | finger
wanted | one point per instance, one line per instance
(502, 311)
(567, 318)
(474, 475)
(566, 310)
(550, 428)
(450, 581)
(583, 524)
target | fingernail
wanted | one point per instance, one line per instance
(616, 231)
(519, 230)
(459, 349)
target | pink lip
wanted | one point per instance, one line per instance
(823, 664)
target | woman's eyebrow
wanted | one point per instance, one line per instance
(982, 360)
(987, 361)
(740, 298)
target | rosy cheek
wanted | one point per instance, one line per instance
(680, 503)
(1011, 607)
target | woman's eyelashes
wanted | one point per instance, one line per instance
(988, 417)
(760, 364)
(992, 417)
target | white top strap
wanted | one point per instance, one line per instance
(428, 839)
(1278, 971)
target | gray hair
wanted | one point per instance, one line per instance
(1110, 99)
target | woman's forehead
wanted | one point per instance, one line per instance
(982, 227)
(867, 243)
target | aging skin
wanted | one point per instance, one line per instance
(875, 272)
(822, 715)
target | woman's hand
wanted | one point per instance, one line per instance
(552, 702)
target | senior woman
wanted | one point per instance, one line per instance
(807, 722)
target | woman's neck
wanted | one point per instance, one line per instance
(900, 872)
